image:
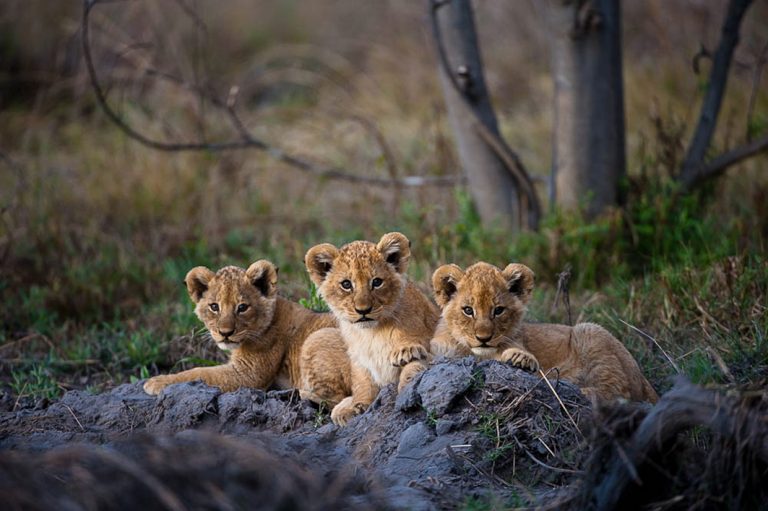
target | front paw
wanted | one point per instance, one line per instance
(520, 358)
(401, 356)
(408, 373)
(156, 384)
(343, 412)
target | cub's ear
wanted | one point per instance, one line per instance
(197, 280)
(319, 261)
(444, 282)
(396, 250)
(519, 280)
(263, 276)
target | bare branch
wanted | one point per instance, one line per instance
(718, 78)
(246, 141)
(721, 163)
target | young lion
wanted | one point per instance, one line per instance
(385, 321)
(264, 331)
(483, 311)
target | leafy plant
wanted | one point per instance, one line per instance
(315, 302)
(37, 382)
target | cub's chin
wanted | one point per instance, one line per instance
(371, 323)
(227, 345)
(484, 351)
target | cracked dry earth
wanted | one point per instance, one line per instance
(462, 429)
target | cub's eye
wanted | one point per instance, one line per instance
(469, 311)
(214, 307)
(346, 284)
(498, 311)
(242, 308)
(377, 282)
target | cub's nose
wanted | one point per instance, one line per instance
(363, 312)
(483, 340)
(227, 333)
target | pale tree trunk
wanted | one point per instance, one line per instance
(589, 145)
(500, 187)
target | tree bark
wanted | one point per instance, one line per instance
(501, 189)
(589, 141)
(692, 170)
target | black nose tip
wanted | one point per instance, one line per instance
(483, 340)
(363, 312)
(226, 333)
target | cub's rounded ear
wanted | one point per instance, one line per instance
(396, 250)
(519, 280)
(197, 280)
(263, 276)
(319, 260)
(444, 282)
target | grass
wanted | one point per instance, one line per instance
(704, 304)
(97, 232)
(37, 382)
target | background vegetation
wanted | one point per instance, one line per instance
(98, 231)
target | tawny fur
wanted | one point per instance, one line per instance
(482, 315)
(265, 333)
(384, 320)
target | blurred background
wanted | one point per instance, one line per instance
(97, 230)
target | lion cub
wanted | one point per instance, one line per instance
(483, 309)
(385, 321)
(264, 332)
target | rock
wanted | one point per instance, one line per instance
(444, 426)
(184, 405)
(444, 383)
(414, 437)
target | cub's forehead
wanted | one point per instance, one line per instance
(229, 273)
(482, 278)
(229, 280)
(359, 255)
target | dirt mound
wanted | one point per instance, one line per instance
(461, 429)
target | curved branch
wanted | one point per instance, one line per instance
(530, 203)
(247, 140)
(720, 164)
(718, 78)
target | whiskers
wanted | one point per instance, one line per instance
(506, 341)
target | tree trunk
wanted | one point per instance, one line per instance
(693, 169)
(589, 144)
(502, 192)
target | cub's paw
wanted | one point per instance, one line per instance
(156, 384)
(401, 356)
(408, 373)
(343, 412)
(520, 358)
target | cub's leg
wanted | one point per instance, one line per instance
(409, 372)
(607, 370)
(518, 357)
(448, 347)
(364, 391)
(325, 368)
(241, 371)
(224, 376)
